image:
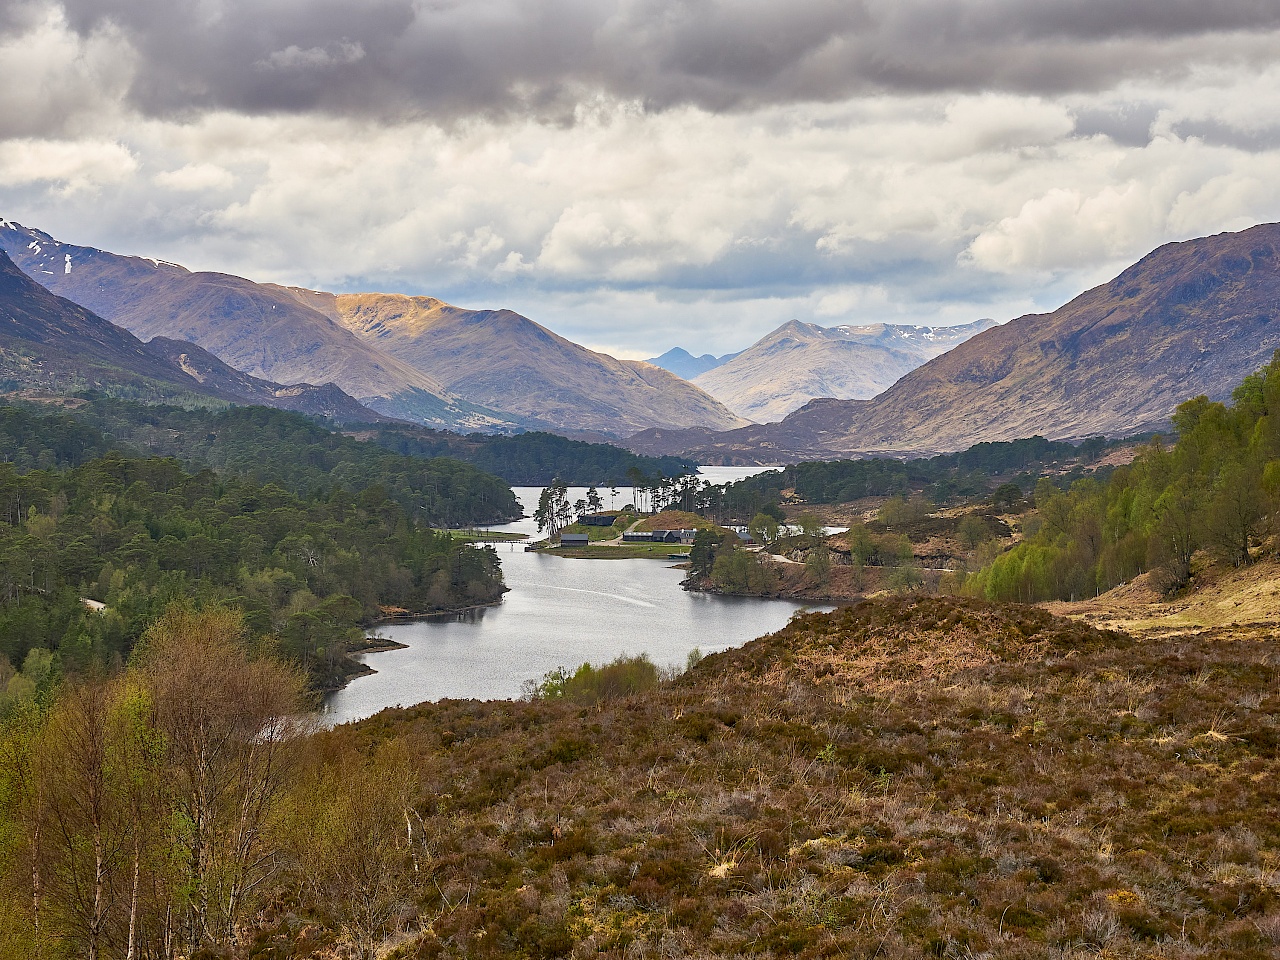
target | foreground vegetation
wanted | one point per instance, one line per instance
(903, 778)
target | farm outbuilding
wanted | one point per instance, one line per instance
(674, 536)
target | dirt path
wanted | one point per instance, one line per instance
(617, 541)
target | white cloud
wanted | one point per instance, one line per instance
(1118, 210)
(636, 229)
(842, 302)
(196, 177)
(68, 166)
(57, 82)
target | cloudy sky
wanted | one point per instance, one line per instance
(639, 174)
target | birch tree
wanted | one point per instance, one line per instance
(227, 722)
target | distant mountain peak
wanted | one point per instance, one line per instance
(799, 362)
(1192, 317)
(683, 364)
(796, 325)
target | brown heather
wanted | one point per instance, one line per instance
(901, 778)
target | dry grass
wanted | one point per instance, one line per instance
(1221, 601)
(676, 520)
(902, 778)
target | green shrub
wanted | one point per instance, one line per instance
(589, 684)
(741, 571)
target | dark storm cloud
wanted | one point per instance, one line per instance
(452, 58)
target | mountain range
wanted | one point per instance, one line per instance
(685, 365)
(413, 358)
(256, 328)
(507, 362)
(49, 344)
(800, 362)
(1190, 318)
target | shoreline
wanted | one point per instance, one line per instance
(620, 551)
(382, 646)
(385, 645)
(791, 596)
(409, 616)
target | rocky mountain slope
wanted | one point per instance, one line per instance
(413, 358)
(326, 400)
(685, 365)
(800, 362)
(258, 329)
(55, 342)
(50, 343)
(1189, 318)
(503, 360)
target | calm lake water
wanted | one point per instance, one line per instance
(559, 612)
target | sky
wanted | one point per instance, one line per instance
(642, 174)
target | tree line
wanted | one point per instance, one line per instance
(1216, 489)
(136, 533)
(968, 473)
(535, 458)
(261, 444)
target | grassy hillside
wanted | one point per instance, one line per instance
(899, 779)
(938, 777)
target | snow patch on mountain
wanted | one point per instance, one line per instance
(800, 362)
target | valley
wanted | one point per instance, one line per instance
(366, 593)
(558, 613)
(1033, 716)
(1189, 318)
